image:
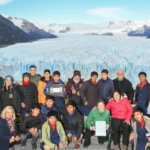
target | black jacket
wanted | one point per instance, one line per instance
(28, 94)
(89, 93)
(32, 122)
(148, 94)
(70, 86)
(11, 97)
(125, 86)
(77, 122)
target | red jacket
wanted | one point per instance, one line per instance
(121, 109)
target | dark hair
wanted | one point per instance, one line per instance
(49, 97)
(105, 71)
(56, 73)
(119, 92)
(100, 101)
(26, 74)
(71, 103)
(138, 109)
(36, 106)
(32, 66)
(142, 73)
(52, 113)
(94, 73)
(47, 70)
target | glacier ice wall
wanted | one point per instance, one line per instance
(83, 52)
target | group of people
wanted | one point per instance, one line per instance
(61, 120)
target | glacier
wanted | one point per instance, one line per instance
(86, 53)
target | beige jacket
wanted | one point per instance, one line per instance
(134, 132)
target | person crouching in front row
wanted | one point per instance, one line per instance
(53, 134)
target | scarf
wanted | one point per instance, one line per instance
(26, 83)
(11, 125)
(53, 126)
(142, 123)
(142, 84)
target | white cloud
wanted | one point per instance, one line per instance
(108, 12)
(4, 2)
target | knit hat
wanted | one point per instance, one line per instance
(76, 72)
(52, 113)
(26, 74)
(9, 76)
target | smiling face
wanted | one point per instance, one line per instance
(70, 109)
(8, 82)
(77, 78)
(138, 116)
(101, 106)
(35, 112)
(9, 114)
(116, 96)
(32, 71)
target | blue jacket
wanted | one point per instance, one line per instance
(106, 89)
(5, 135)
(59, 101)
(45, 110)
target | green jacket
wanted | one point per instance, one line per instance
(35, 79)
(134, 132)
(96, 115)
(46, 134)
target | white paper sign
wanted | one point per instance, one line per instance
(100, 128)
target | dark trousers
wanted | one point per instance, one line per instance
(118, 127)
(89, 134)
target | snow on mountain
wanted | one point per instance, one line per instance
(30, 28)
(83, 52)
(99, 28)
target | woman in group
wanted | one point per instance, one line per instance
(8, 132)
(141, 130)
(100, 113)
(121, 111)
(9, 95)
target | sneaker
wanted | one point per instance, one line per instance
(77, 146)
(34, 146)
(23, 144)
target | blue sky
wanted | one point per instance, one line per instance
(76, 11)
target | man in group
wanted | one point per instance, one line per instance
(34, 77)
(89, 94)
(73, 124)
(49, 106)
(73, 87)
(124, 85)
(105, 86)
(142, 95)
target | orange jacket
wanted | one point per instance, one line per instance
(41, 95)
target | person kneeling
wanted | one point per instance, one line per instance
(73, 124)
(31, 126)
(53, 134)
(98, 114)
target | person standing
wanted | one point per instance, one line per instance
(142, 96)
(41, 86)
(9, 95)
(73, 87)
(34, 77)
(105, 86)
(28, 94)
(124, 85)
(89, 94)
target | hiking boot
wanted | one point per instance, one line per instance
(116, 147)
(34, 146)
(23, 144)
(77, 146)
